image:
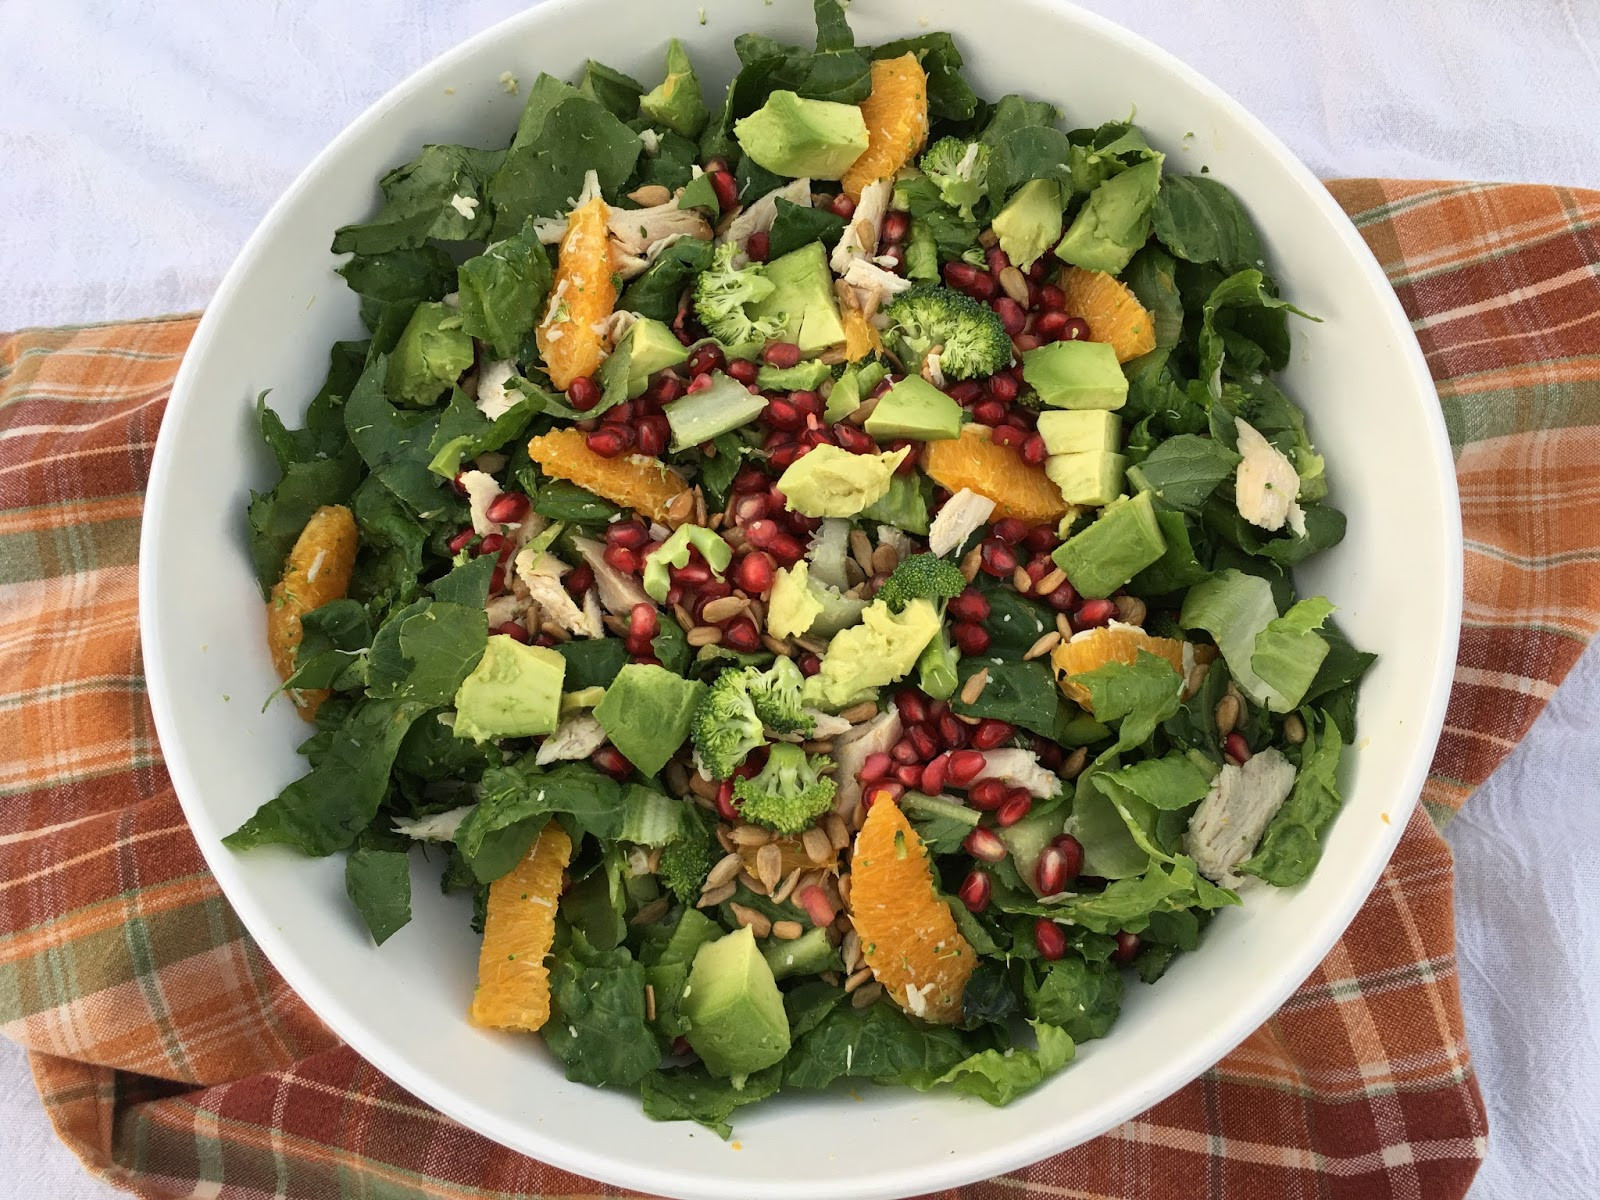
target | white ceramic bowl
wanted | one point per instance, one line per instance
(1396, 580)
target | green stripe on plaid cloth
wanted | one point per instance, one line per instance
(173, 1059)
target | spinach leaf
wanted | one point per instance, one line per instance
(1344, 666)
(1081, 998)
(876, 1042)
(1201, 220)
(671, 646)
(1023, 693)
(464, 432)
(1152, 277)
(390, 560)
(1000, 1076)
(331, 641)
(277, 517)
(656, 293)
(516, 802)
(807, 1004)
(1244, 328)
(596, 905)
(433, 753)
(467, 584)
(692, 1094)
(1292, 845)
(398, 279)
(502, 289)
(328, 807)
(1128, 904)
(1015, 623)
(617, 93)
(671, 164)
(949, 96)
(393, 442)
(797, 225)
(424, 651)
(989, 998)
(1178, 567)
(1098, 154)
(1194, 726)
(417, 202)
(592, 662)
(563, 501)
(597, 1026)
(1324, 529)
(951, 233)
(833, 29)
(1183, 471)
(1140, 696)
(379, 885)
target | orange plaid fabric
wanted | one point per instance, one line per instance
(174, 1061)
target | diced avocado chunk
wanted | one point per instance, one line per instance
(676, 103)
(1079, 430)
(1090, 477)
(803, 295)
(736, 1019)
(1076, 375)
(652, 347)
(646, 713)
(1030, 222)
(514, 691)
(1122, 542)
(1114, 222)
(700, 416)
(816, 139)
(430, 356)
(883, 648)
(583, 698)
(809, 954)
(1027, 839)
(802, 377)
(915, 409)
(830, 482)
(838, 610)
(792, 606)
(852, 388)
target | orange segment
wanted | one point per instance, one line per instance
(791, 857)
(581, 297)
(998, 472)
(908, 936)
(513, 983)
(1113, 313)
(633, 481)
(1097, 647)
(896, 114)
(861, 336)
(316, 572)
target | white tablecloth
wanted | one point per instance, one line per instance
(142, 142)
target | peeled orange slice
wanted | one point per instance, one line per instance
(908, 936)
(316, 572)
(998, 472)
(861, 337)
(513, 982)
(896, 114)
(582, 296)
(1097, 647)
(1113, 313)
(633, 481)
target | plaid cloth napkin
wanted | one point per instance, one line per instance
(174, 1061)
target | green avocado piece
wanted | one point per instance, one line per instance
(809, 954)
(792, 605)
(652, 347)
(737, 1023)
(1030, 222)
(915, 409)
(830, 482)
(676, 103)
(802, 377)
(852, 388)
(514, 691)
(1122, 542)
(700, 416)
(1027, 839)
(798, 138)
(1114, 222)
(430, 356)
(1076, 375)
(803, 295)
(1079, 430)
(883, 648)
(646, 713)
(1088, 477)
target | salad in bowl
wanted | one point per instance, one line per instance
(815, 566)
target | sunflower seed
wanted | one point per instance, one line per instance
(650, 195)
(714, 897)
(725, 871)
(777, 645)
(1076, 761)
(842, 886)
(1021, 580)
(868, 995)
(861, 548)
(1015, 285)
(679, 509)
(750, 835)
(1051, 582)
(649, 914)
(649, 1002)
(786, 889)
(857, 713)
(758, 923)
(787, 931)
(850, 948)
(1294, 729)
(1131, 610)
(973, 688)
(1046, 643)
(722, 608)
(818, 847)
(1064, 626)
(703, 635)
(856, 979)
(884, 560)
(769, 865)
(1227, 715)
(971, 562)
(701, 786)
(677, 777)
(838, 831)
(820, 746)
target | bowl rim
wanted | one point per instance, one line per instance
(976, 1163)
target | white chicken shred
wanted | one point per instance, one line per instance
(961, 514)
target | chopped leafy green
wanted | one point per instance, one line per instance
(1201, 220)
(1023, 693)
(379, 885)
(877, 1042)
(430, 197)
(502, 290)
(1183, 471)
(1141, 696)
(1292, 845)
(692, 1094)
(798, 224)
(1000, 1076)
(597, 1026)
(1081, 998)
(518, 799)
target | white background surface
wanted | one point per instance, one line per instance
(142, 142)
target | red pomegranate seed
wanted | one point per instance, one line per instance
(1009, 435)
(912, 707)
(726, 808)
(743, 370)
(1236, 748)
(692, 574)
(654, 433)
(457, 486)
(607, 443)
(1051, 298)
(1003, 388)
(924, 739)
(583, 393)
(1040, 268)
(905, 751)
(997, 558)
(758, 245)
(815, 901)
(964, 392)
(666, 389)
(896, 225)
(1016, 805)
(462, 540)
(1072, 852)
(780, 414)
(910, 774)
(965, 766)
(1024, 342)
(700, 383)
(1127, 947)
(857, 441)
(513, 629)
(1048, 937)
(953, 732)
(781, 354)
(741, 635)
(620, 414)
(1092, 613)
(704, 359)
(984, 845)
(1077, 330)
(761, 532)
(619, 558)
(1049, 754)
(987, 794)
(755, 572)
(1034, 451)
(1010, 314)
(997, 259)
(970, 605)
(874, 767)
(1010, 530)
(933, 775)
(630, 535)
(894, 256)
(1049, 326)
(726, 188)
(803, 526)
(610, 760)
(975, 890)
(808, 402)
(960, 275)
(497, 579)
(989, 412)
(842, 206)
(1041, 539)
(991, 734)
(984, 287)
(643, 622)
(492, 544)
(810, 664)
(1063, 598)
(578, 580)
(1051, 874)
(786, 550)
(749, 480)
(970, 639)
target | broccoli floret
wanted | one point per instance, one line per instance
(776, 695)
(726, 727)
(790, 792)
(723, 292)
(922, 577)
(974, 338)
(687, 859)
(960, 169)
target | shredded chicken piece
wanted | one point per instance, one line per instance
(1267, 484)
(871, 283)
(1020, 768)
(961, 514)
(618, 592)
(1230, 820)
(579, 736)
(481, 490)
(860, 237)
(494, 398)
(850, 753)
(897, 539)
(438, 827)
(931, 369)
(543, 580)
(638, 236)
(758, 215)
